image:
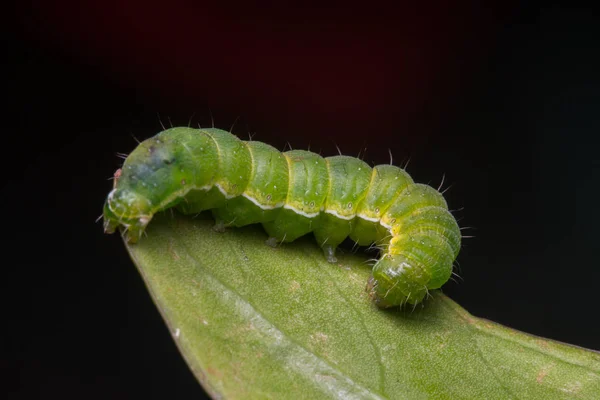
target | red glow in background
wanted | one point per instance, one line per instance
(348, 69)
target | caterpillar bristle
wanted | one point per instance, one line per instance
(190, 119)
(448, 188)
(234, 122)
(406, 164)
(442, 182)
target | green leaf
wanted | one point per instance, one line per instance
(254, 321)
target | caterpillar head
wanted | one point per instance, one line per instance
(126, 208)
(149, 175)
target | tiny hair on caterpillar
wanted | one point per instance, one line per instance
(292, 194)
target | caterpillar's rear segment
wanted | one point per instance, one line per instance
(292, 194)
(425, 240)
(419, 258)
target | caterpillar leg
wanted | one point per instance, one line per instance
(219, 226)
(329, 252)
(110, 226)
(224, 220)
(330, 232)
(272, 242)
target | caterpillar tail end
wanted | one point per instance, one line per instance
(387, 298)
(395, 282)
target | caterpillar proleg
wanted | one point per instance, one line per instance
(292, 194)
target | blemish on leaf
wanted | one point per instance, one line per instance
(214, 372)
(319, 338)
(572, 388)
(294, 286)
(543, 372)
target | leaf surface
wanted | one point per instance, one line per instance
(257, 322)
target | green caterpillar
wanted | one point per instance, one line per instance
(292, 194)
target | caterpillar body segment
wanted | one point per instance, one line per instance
(292, 194)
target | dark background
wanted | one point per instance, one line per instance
(502, 100)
